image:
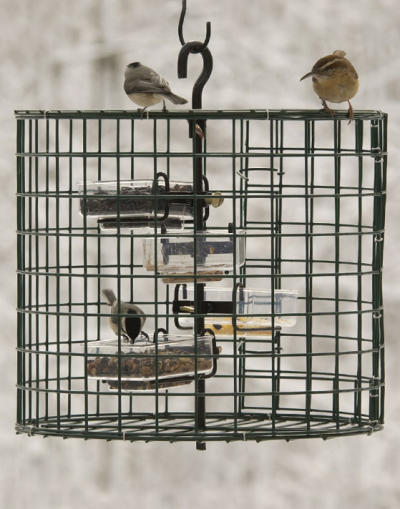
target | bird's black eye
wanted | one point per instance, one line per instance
(134, 64)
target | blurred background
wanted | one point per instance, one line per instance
(71, 55)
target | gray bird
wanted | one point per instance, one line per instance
(145, 87)
(130, 326)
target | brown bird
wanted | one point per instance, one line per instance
(334, 80)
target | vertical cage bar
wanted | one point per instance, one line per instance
(337, 168)
(69, 265)
(118, 275)
(308, 204)
(132, 176)
(167, 296)
(20, 269)
(132, 237)
(37, 263)
(30, 267)
(85, 276)
(234, 280)
(377, 261)
(274, 353)
(47, 266)
(244, 186)
(384, 122)
(358, 395)
(278, 203)
(156, 299)
(99, 265)
(278, 250)
(58, 269)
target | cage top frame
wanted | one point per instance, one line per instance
(252, 114)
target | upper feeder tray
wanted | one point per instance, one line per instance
(139, 203)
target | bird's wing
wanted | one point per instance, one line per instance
(157, 80)
(144, 86)
(329, 63)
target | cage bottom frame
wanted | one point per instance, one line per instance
(180, 427)
(246, 423)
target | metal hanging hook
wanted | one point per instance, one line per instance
(180, 27)
(195, 47)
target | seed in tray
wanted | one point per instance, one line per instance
(171, 361)
(129, 201)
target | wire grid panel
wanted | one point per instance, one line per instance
(304, 205)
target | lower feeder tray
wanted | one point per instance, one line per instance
(177, 356)
(175, 257)
(219, 303)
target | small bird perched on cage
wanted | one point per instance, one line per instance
(145, 87)
(130, 326)
(334, 80)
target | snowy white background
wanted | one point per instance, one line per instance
(71, 55)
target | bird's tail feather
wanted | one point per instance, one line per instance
(175, 98)
(109, 295)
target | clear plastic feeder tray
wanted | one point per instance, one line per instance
(176, 256)
(248, 302)
(177, 357)
(136, 202)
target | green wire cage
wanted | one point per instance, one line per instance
(219, 284)
(300, 223)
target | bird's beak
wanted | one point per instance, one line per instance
(307, 75)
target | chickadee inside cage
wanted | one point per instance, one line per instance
(130, 326)
(334, 80)
(145, 87)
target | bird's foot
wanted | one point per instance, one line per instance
(144, 335)
(143, 111)
(164, 107)
(350, 113)
(327, 108)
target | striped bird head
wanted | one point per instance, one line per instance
(326, 66)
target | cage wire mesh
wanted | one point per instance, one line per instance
(302, 221)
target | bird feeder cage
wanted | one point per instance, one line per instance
(264, 317)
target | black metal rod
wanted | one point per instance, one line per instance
(197, 132)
